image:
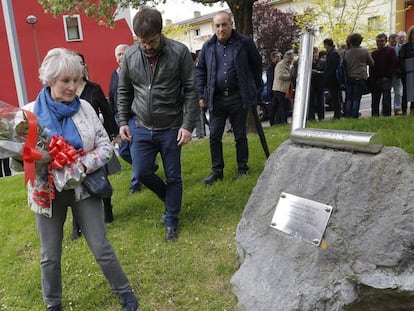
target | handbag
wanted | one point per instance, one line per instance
(97, 183)
(289, 92)
(113, 166)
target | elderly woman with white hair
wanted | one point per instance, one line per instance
(61, 113)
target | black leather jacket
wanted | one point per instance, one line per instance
(161, 99)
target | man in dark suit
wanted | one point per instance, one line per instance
(229, 78)
(329, 80)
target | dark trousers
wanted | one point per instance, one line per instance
(273, 108)
(354, 90)
(228, 107)
(334, 93)
(316, 104)
(283, 105)
(146, 144)
(4, 166)
(382, 89)
(404, 102)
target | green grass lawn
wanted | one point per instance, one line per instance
(190, 274)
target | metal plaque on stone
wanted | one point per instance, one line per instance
(301, 218)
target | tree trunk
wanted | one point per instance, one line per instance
(242, 13)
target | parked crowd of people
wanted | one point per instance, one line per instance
(341, 76)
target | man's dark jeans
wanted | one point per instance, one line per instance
(146, 144)
(382, 88)
(228, 107)
(354, 91)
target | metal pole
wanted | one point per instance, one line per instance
(14, 52)
(344, 140)
(36, 46)
(303, 82)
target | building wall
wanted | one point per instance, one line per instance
(98, 46)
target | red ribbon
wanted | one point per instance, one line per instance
(62, 153)
(30, 154)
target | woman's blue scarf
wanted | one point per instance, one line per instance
(56, 119)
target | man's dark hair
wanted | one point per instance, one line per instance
(381, 35)
(147, 22)
(328, 41)
(355, 39)
(393, 36)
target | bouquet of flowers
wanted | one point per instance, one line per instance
(22, 138)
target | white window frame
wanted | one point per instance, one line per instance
(65, 26)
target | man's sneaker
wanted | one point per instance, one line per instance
(129, 302)
(54, 308)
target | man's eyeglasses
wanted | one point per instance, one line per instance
(152, 42)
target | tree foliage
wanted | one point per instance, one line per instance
(274, 29)
(337, 19)
(103, 10)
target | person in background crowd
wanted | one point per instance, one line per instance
(200, 129)
(61, 112)
(316, 104)
(356, 60)
(402, 38)
(229, 78)
(93, 94)
(396, 82)
(281, 84)
(342, 87)
(275, 57)
(125, 147)
(329, 80)
(5, 167)
(156, 84)
(386, 64)
(406, 52)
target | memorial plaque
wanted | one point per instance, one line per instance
(302, 218)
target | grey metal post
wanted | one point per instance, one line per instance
(14, 52)
(303, 82)
(346, 140)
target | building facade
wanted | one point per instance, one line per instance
(37, 32)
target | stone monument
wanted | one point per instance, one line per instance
(366, 259)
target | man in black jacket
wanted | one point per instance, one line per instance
(156, 85)
(329, 80)
(229, 78)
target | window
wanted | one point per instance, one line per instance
(375, 23)
(73, 27)
(197, 32)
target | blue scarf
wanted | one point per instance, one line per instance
(56, 119)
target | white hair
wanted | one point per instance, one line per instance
(119, 47)
(58, 61)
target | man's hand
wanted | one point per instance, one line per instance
(183, 137)
(124, 133)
